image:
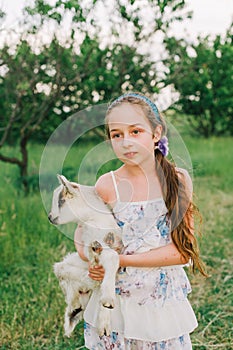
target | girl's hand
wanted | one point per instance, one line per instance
(96, 272)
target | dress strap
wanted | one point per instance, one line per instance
(115, 185)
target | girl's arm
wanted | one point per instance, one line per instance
(79, 243)
(163, 256)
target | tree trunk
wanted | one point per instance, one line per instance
(24, 163)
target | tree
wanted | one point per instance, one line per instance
(202, 75)
(42, 82)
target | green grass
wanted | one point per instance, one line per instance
(32, 305)
(212, 298)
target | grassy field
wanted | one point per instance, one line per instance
(32, 305)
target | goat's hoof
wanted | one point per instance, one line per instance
(108, 306)
(107, 332)
(108, 303)
(104, 332)
(67, 334)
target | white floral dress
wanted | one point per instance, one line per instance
(152, 310)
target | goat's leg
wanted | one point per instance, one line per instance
(76, 287)
(109, 259)
(72, 318)
(77, 300)
(104, 321)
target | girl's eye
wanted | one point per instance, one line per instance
(115, 136)
(136, 131)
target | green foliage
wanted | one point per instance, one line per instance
(34, 101)
(161, 14)
(60, 73)
(32, 304)
(55, 13)
(62, 82)
(202, 74)
(42, 84)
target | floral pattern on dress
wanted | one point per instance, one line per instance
(117, 341)
(145, 226)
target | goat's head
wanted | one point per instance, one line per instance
(64, 203)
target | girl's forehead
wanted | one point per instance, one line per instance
(127, 114)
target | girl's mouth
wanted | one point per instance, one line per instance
(130, 155)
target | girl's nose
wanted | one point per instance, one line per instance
(127, 142)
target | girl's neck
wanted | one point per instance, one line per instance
(137, 171)
(134, 184)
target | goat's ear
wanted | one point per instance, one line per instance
(69, 186)
(62, 179)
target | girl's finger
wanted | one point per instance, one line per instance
(96, 277)
(96, 269)
(96, 273)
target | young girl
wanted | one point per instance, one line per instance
(152, 202)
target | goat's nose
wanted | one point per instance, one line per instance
(53, 220)
(50, 217)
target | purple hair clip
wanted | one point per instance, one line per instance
(163, 146)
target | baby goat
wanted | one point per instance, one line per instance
(101, 239)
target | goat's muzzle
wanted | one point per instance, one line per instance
(52, 220)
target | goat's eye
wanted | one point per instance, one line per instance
(61, 202)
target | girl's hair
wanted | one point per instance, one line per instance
(181, 209)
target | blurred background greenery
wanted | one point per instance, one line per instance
(61, 60)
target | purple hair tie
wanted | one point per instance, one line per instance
(163, 146)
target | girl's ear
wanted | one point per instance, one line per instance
(158, 133)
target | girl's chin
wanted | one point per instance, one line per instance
(130, 161)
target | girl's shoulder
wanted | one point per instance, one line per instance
(105, 188)
(183, 174)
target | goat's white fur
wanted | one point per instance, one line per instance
(80, 204)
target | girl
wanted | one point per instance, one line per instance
(152, 201)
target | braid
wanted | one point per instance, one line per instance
(181, 211)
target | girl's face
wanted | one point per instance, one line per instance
(132, 137)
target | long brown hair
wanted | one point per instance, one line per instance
(181, 209)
